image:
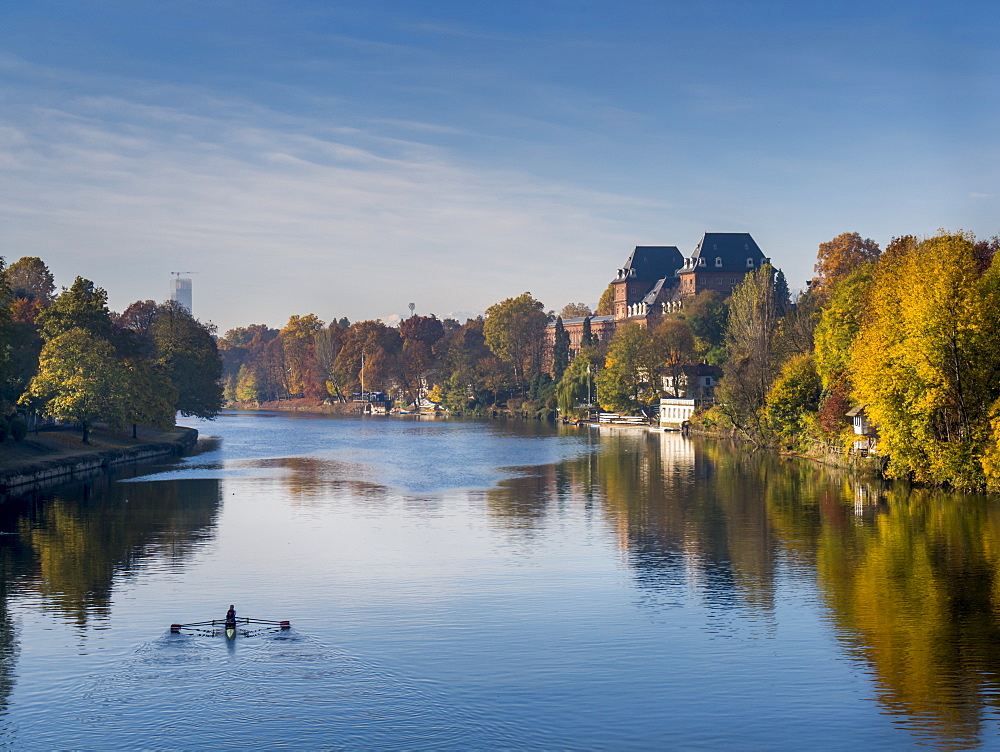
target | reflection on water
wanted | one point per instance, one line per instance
(910, 577)
(479, 563)
(81, 540)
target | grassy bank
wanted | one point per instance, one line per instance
(52, 449)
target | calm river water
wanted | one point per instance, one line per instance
(469, 585)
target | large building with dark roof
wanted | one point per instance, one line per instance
(657, 278)
(647, 279)
(719, 263)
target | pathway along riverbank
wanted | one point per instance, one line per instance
(52, 457)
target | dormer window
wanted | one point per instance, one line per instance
(765, 261)
(701, 261)
(718, 261)
(746, 246)
(749, 262)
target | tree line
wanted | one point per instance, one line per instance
(67, 357)
(907, 334)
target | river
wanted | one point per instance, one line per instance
(490, 585)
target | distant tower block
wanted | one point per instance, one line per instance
(180, 291)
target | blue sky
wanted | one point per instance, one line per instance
(346, 159)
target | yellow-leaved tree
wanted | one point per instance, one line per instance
(79, 379)
(926, 361)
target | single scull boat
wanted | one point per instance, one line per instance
(230, 628)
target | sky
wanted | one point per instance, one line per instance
(347, 159)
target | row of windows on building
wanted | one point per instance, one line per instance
(718, 262)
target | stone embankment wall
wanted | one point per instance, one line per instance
(64, 469)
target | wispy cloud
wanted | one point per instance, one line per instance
(282, 215)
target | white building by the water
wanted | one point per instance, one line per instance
(675, 412)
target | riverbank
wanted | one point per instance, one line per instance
(57, 456)
(300, 405)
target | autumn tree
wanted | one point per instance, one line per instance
(79, 379)
(297, 337)
(575, 311)
(5, 338)
(673, 347)
(753, 361)
(373, 346)
(837, 258)
(926, 361)
(606, 305)
(248, 387)
(419, 335)
(515, 332)
(798, 325)
(326, 346)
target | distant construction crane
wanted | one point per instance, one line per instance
(180, 290)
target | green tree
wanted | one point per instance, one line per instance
(794, 394)
(708, 315)
(30, 279)
(187, 352)
(626, 381)
(560, 350)
(782, 296)
(576, 385)
(147, 397)
(82, 306)
(515, 331)
(79, 379)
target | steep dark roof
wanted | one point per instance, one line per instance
(650, 263)
(653, 294)
(734, 248)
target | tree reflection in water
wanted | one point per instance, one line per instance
(69, 545)
(910, 576)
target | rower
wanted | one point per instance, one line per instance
(231, 616)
